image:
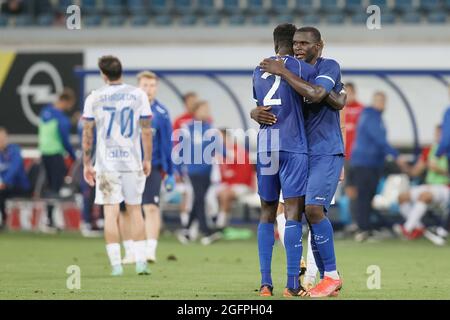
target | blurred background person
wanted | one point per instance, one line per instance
(13, 178)
(444, 144)
(237, 177)
(54, 143)
(13, 7)
(367, 161)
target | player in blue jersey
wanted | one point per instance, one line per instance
(326, 150)
(282, 151)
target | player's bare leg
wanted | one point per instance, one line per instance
(138, 234)
(152, 230)
(226, 198)
(112, 238)
(266, 240)
(323, 249)
(281, 221)
(127, 239)
(294, 208)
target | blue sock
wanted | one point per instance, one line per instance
(317, 257)
(266, 240)
(323, 237)
(293, 245)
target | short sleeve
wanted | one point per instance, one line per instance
(88, 112)
(145, 110)
(328, 74)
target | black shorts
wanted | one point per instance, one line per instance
(349, 177)
(152, 187)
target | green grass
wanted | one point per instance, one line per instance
(34, 267)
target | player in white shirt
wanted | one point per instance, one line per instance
(121, 115)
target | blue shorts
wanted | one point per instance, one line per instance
(286, 171)
(152, 187)
(323, 178)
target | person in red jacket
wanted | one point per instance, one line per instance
(237, 177)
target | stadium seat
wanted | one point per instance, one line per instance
(305, 6)
(411, 18)
(430, 5)
(163, 20)
(184, 7)
(359, 18)
(284, 18)
(255, 7)
(310, 19)
(388, 18)
(402, 6)
(205, 7)
(335, 19)
(45, 20)
(353, 6)
(260, 20)
(437, 17)
(92, 20)
(24, 21)
(116, 21)
(90, 6)
(236, 20)
(330, 6)
(137, 7)
(383, 4)
(139, 20)
(4, 21)
(280, 6)
(188, 20)
(113, 7)
(231, 7)
(212, 20)
(160, 7)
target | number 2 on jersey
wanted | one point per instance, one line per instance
(268, 101)
(126, 121)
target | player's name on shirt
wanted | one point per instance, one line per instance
(117, 97)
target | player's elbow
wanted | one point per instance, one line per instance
(318, 95)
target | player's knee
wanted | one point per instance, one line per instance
(314, 214)
(403, 197)
(426, 197)
(268, 212)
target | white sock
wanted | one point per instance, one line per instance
(281, 222)
(129, 248)
(184, 218)
(221, 220)
(405, 209)
(311, 267)
(113, 250)
(332, 274)
(139, 250)
(151, 247)
(417, 212)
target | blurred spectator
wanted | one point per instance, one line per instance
(444, 144)
(434, 193)
(54, 134)
(13, 179)
(367, 161)
(199, 170)
(13, 7)
(190, 99)
(237, 177)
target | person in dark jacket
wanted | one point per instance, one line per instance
(367, 161)
(13, 179)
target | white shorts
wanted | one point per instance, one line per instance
(440, 193)
(115, 187)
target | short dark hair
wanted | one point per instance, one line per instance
(67, 95)
(350, 85)
(283, 35)
(3, 129)
(314, 31)
(187, 95)
(111, 67)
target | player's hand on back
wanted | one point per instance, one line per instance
(89, 175)
(272, 66)
(147, 167)
(262, 115)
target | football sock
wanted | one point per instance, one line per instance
(113, 250)
(323, 238)
(184, 218)
(151, 247)
(405, 209)
(266, 240)
(139, 251)
(281, 222)
(221, 220)
(417, 212)
(293, 246)
(311, 267)
(129, 248)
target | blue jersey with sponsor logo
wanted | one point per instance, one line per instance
(323, 128)
(162, 137)
(288, 133)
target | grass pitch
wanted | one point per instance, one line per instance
(34, 267)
